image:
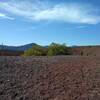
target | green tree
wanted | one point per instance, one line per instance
(35, 51)
(57, 49)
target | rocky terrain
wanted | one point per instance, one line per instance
(86, 50)
(50, 78)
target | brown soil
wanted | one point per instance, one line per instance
(50, 78)
(10, 53)
(86, 50)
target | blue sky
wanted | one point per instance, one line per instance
(74, 22)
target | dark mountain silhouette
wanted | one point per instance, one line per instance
(17, 48)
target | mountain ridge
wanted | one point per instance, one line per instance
(17, 48)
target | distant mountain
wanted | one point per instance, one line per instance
(75, 50)
(17, 48)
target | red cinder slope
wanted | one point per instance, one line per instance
(50, 78)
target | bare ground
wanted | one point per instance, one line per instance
(50, 78)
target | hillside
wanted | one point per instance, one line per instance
(14, 50)
(50, 78)
(10, 53)
(76, 50)
(86, 50)
(17, 48)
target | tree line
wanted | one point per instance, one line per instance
(52, 50)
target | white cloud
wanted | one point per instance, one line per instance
(4, 16)
(76, 27)
(80, 27)
(69, 13)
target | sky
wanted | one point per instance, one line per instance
(74, 22)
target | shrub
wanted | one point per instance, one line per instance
(52, 50)
(57, 49)
(35, 51)
(81, 53)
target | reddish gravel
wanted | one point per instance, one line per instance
(50, 78)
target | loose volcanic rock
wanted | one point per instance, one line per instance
(50, 78)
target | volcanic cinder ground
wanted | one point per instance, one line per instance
(50, 78)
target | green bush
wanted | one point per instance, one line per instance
(57, 49)
(35, 51)
(52, 50)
